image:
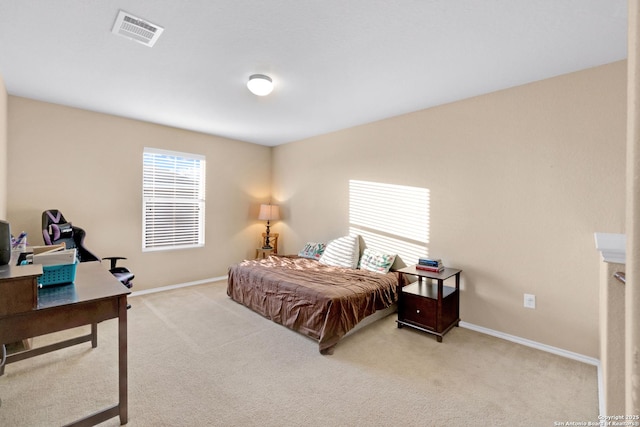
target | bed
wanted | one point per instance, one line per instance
(323, 302)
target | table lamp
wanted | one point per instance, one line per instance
(268, 213)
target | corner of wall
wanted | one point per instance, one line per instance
(3, 149)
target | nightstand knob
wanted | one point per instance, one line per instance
(417, 311)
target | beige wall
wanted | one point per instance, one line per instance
(89, 165)
(519, 181)
(3, 150)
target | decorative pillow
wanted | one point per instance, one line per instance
(312, 250)
(376, 261)
(342, 252)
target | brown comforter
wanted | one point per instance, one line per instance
(317, 300)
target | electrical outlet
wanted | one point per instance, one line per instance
(529, 301)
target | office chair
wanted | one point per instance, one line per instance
(56, 230)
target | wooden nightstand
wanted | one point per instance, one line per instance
(263, 253)
(427, 304)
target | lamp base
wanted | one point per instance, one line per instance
(267, 245)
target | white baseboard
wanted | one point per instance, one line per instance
(550, 349)
(533, 344)
(177, 286)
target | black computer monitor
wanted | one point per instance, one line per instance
(5, 243)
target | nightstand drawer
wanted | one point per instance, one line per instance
(419, 310)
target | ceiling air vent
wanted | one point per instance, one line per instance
(137, 29)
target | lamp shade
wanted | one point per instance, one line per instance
(269, 213)
(260, 85)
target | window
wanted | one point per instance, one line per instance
(173, 200)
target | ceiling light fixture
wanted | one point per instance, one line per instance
(260, 85)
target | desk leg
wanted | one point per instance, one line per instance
(94, 335)
(122, 359)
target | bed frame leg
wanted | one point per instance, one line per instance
(328, 351)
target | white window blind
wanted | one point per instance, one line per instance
(173, 200)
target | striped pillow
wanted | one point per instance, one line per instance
(342, 252)
(376, 261)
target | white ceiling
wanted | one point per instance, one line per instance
(335, 63)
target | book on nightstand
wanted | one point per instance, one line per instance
(430, 264)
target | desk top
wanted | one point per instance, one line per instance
(13, 271)
(93, 281)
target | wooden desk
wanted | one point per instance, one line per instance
(19, 288)
(96, 296)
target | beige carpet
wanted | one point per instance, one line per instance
(196, 358)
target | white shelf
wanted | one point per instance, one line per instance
(612, 247)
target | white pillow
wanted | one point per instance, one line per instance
(312, 250)
(342, 252)
(379, 262)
